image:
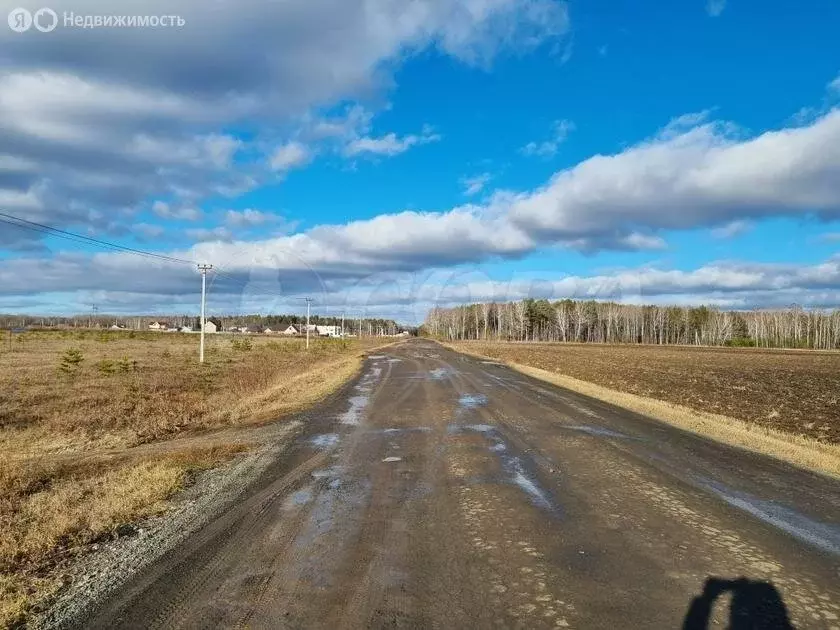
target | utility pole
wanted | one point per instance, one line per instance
(342, 323)
(308, 302)
(93, 309)
(203, 269)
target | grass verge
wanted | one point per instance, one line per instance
(50, 513)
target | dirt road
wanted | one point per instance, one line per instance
(446, 492)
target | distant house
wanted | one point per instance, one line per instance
(210, 327)
(157, 326)
(327, 331)
(117, 327)
(185, 329)
(269, 331)
(253, 329)
(291, 330)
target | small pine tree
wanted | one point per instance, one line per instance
(71, 361)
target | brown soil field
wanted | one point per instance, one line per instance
(793, 391)
(88, 421)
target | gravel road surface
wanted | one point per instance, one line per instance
(446, 492)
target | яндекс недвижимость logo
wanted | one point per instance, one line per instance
(44, 20)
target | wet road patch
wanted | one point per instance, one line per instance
(354, 413)
(471, 401)
(326, 440)
(598, 431)
(514, 469)
(438, 374)
(823, 536)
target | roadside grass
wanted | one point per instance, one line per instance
(73, 404)
(133, 390)
(49, 512)
(801, 448)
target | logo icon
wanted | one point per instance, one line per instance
(20, 20)
(45, 20)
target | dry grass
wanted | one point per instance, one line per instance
(130, 391)
(50, 512)
(69, 476)
(691, 379)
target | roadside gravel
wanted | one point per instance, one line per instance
(98, 574)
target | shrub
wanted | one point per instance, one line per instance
(741, 342)
(241, 345)
(106, 366)
(71, 361)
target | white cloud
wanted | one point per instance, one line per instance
(184, 213)
(474, 185)
(290, 155)
(106, 133)
(715, 7)
(732, 229)
(248, 218)
(548, 148)
(390, 144)
(147, 230)
(272, 283)
(834, 85)
(701, 176)
(210, 234)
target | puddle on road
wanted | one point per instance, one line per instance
(354, 413)
(471, 401)
(400, 430)
(296, 499)
(598, 431)
(389, 460)
(438, 374)
(453, 429)
(334, 518)
(359, 402)
(326, 440)
(528, 485)
(377, 357)
(824, 536)
(328, 473)
(514, 469)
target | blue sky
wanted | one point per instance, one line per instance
(394, 155)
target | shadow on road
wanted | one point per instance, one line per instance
(755, 606)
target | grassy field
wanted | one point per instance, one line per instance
(71, 403)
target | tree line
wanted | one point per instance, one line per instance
(609, 322)
(365, 326)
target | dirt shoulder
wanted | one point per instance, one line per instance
(683, 388)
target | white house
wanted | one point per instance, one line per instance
(269, 331)
(291, 330)
(157, 326)
(327, 331)
(210, 327)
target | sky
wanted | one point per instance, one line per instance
(387, 156)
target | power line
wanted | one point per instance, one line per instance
(79, 238)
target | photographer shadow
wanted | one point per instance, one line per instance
(755, 606)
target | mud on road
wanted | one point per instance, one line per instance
(441, 491)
